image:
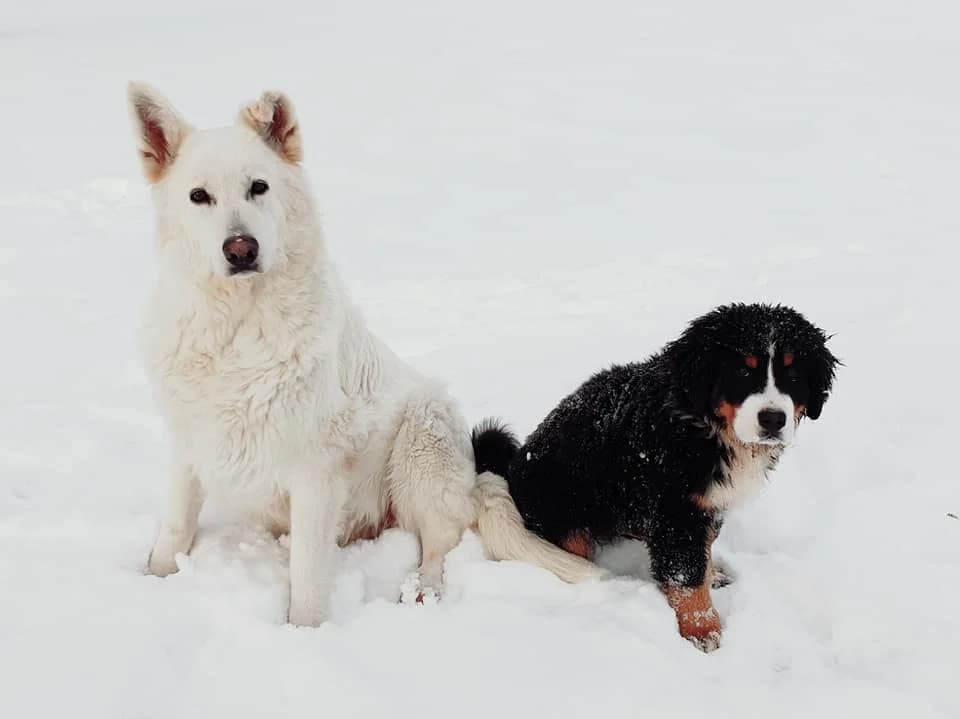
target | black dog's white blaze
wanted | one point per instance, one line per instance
(766, 416)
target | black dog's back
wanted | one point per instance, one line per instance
(575, 472)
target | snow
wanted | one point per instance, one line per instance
(518, 194)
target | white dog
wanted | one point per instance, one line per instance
(274, 391)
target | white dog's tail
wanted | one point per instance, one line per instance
(499, 522)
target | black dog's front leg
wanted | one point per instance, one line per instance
(680, 563)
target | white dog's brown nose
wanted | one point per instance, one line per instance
(241, 251)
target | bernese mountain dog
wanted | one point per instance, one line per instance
(659, 450)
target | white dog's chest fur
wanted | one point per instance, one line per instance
(247, 393)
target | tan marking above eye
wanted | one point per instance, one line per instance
(751, 361)
(787, 359)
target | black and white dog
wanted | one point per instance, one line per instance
(659, 450)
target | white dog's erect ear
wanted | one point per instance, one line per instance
(273, 118)
(159, 127)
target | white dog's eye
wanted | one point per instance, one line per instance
(199, 196)
(258, 187)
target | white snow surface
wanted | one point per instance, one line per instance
(518, 194)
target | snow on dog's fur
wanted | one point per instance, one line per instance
(275, 393)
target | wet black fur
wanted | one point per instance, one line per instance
(628, 452)
(494, 446)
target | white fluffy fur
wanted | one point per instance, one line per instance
(275, 393)
(746, 474)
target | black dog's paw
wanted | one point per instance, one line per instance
(721, 577)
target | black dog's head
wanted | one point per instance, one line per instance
(756, 369)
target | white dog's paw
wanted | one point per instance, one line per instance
(163, 556)
(161, 564)
(304, 614)
(414, 591)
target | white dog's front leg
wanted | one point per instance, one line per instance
(316, 504)
(180, 524)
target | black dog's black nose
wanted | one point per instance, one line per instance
(241, 251)
(771, 420)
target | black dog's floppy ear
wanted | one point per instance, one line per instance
(694, 364)
(822, 368)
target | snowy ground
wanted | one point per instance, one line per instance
(518, 194)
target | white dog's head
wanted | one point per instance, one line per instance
(222, 196)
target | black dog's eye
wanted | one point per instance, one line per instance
(791, 375)
(258, 187)
(743, 372)
(199, 196)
